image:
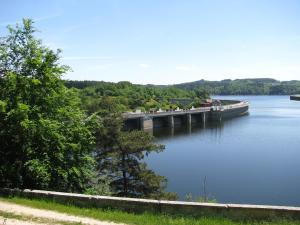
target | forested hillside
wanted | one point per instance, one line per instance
(259, 86)
(198, 89)
(127, 96)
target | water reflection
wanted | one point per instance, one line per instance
(250, 159)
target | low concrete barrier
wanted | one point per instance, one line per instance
(233, 211)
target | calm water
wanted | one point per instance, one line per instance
(251, 159)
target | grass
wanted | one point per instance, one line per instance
(140, 219)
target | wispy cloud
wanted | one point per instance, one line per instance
(80, 58)
(35, 19)
(48, 17)
(144, 65)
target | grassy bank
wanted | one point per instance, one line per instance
(140, 219)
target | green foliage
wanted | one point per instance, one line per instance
(45, 137)
(131, 96)
(2, 106)
(169, 97)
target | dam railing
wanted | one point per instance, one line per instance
(166, 113)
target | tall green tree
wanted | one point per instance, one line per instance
(129, 175)
(45, 138)
(120, 157)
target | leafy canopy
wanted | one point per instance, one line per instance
(45, 138)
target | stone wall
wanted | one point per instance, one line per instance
(159, 206)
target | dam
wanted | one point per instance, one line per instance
(217, 112)
(295, 97)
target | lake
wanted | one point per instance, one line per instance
(251, 159)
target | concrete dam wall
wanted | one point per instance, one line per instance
(227, 109)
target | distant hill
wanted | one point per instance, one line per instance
(196, 84)
(256, 86)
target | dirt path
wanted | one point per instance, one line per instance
(6, 221)
(34, 216)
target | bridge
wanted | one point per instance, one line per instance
(171, 118)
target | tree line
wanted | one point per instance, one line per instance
(257, 86)
(161, 96)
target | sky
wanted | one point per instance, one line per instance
(167, 41)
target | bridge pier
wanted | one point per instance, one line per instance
(171, 121)
(146, 123)
(189, 120)
(204, 118)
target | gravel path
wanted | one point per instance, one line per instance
(46, 216)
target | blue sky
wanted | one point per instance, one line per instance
(167, 42)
